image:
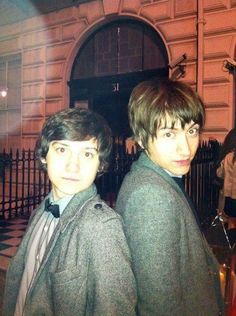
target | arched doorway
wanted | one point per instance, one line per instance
(111, 62)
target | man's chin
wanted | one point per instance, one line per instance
(180, 171)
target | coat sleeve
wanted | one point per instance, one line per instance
(153, 230)
(111, 284)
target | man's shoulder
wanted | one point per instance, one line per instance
(145, 185)
(144, 176)
(97, 217)
(100, 211)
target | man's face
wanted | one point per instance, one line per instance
(72, 166)
(174, 148)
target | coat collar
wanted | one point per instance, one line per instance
(75, 205)
(72, 208)
(145, 161)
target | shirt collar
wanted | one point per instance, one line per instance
(63, 202)
(171, 174)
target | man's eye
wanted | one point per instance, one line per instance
(193, 131)
(88, 154)
(60, 150)
(169, 135)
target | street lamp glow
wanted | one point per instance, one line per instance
(3, 93)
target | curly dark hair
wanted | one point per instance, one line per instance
(76, 125)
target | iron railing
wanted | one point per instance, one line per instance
(23, 184)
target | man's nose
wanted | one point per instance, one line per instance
(73, 163)
(183, 147)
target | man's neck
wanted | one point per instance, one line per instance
(171, 174)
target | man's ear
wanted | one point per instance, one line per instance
(43, 160)
(140, 143)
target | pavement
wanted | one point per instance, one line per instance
(11, 233)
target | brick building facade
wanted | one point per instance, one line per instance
(37, 56)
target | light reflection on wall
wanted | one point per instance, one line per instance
(3, 92)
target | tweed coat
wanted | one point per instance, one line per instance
(86, 269)
(175, 270)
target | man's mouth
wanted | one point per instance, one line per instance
(70, 179)
(183, 162)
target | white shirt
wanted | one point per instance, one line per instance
(36, 248)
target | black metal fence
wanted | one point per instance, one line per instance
(23, 185)
(200, 181)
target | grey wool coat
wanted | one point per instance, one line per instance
(86, 269)
(175, 270)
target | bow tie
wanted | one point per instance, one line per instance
(53, 208)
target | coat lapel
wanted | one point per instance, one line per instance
(73, 209)
(145, 161)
